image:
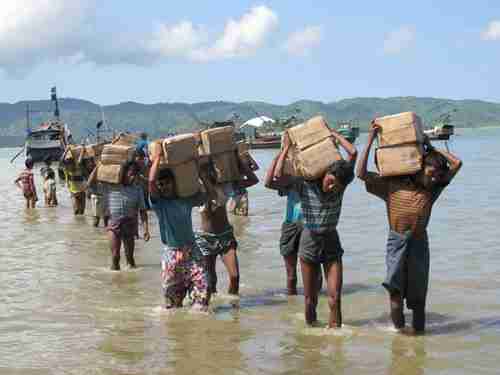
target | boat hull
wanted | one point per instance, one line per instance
(42, 154)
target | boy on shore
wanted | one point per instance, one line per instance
(26, 182)
(409, 201)
(217, 235)
(182, 263)
(321, 202)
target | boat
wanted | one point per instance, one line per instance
(265, 142)
(348, 130)
(48, 141)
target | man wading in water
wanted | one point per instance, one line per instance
(124, 202)
(217, 236)
(409, 201)
(182, 263)
(321, 202)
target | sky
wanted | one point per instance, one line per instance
(276, 51)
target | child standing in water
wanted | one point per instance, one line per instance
(409, 201)
(182, 263)
(50, 188)
(26, 182)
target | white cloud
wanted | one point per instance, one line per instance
(399, 40)
(33, 31)
(241, 37)
(300, 43)
(492, 32)
(37, 31)
(178, 40)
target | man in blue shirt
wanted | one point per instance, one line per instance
(182, 263)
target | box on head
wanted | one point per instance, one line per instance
(113, 161)
(400, 140)
(219, 144)
(312, 150)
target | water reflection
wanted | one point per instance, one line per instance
(408, 356)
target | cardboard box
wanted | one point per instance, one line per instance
(117, 154)
(187, 182)
(399, 129)
(309, 133)
(226, 167)
(110, 173)
(400, 160)
(155, 148)
(218, 140)
(179, 149)
(290, 167)
(125, 139)
(245, 157)
(315, 160)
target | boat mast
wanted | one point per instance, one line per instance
(28, 124)
(53, 97)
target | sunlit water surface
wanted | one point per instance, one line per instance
(63, 312)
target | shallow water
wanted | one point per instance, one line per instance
(63, 312)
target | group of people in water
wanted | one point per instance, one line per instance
(309, 233)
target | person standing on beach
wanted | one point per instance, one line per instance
(321, 202)
(216, 237)
(409, 201)
(182, 263)
(26, 182)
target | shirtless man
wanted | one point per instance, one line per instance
(217, 236)
(409, 201)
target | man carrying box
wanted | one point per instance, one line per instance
(409, 201)
(217, 236)
(321, 201)
(183, 266)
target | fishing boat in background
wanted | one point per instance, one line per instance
(47, 141)
(349, 130)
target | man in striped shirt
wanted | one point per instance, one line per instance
(321, 202)
(124, 203)
(409, 201)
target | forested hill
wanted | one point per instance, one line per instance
(161, 118)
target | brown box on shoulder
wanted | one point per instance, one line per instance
(179, 149)
(125, 139)
(400, 160)
(400, 129)
(110, 173)
(218, 140)
(226, 167)
(314, 161)
(309, 133)
(186, 177)
(117, 154)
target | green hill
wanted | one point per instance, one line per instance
(160, 118)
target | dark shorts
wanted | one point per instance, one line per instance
(124, 228)
(407, 261)
(212, 244)
(320, 247)
(290, 238)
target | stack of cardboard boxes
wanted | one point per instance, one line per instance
(400, 140)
